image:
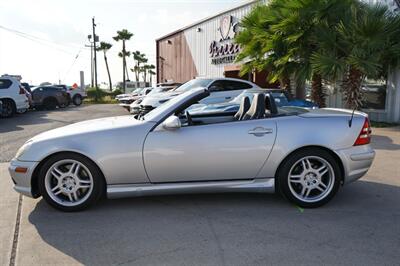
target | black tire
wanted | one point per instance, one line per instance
(77, 100)
(9, 109)
(289, 191)
(96, 194)
(50, 103)
(63, 105)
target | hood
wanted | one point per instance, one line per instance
(88, 126)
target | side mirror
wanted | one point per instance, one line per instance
(172, 123)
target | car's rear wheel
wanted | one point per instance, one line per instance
(50, 103)
(77, 100)
(309, 178)
(8, 109)
(70, 182)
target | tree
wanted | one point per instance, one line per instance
(123, 35)
(366, 46)
(151, 73)
(127, 54)
(139, 59)
(105, 47)
(282, 36)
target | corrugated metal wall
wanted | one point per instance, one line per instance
(199, 41)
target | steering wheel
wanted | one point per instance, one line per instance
(189, 118)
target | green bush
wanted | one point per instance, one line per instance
(102, 95)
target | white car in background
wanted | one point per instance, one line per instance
(76, 94)
(13, 96)
(134, 107)
(221, 90)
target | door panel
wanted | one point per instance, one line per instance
(224, 151)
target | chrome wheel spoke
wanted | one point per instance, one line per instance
(56, 190)
(70, 197)
(321, 187)
(56, 173)
(75, 196)
(305, 192)
(322, 170)
(295, 178)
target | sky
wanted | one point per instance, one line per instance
(44, 40)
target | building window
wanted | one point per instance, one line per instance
(374, 94)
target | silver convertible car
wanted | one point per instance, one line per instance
(307, 155)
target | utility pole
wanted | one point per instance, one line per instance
(95, 39)
(91, 59)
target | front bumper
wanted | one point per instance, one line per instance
(22, 181)
(356, 161)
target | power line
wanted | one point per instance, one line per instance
(73, 63)
(39, 40)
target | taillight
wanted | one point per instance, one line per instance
(21, 90)
(365, 135)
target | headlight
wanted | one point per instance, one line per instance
(23, 149)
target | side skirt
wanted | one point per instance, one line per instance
(262, 185)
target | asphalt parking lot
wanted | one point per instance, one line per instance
(361, 226)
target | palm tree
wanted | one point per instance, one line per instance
(123, 35)
(104, 46)
(127, 54)
(139, 59)
(366, 46)
(151, 73)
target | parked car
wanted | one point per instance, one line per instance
(305, 154)
(49, 97)
(281, 97)
(134, 107)
(125, 102)
(13, 96)
(76, 94)
(221, 89)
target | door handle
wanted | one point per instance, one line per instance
(227, 98)
(260, 131)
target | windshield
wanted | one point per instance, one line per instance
(280, 98)
(194, 83)
(165, 106)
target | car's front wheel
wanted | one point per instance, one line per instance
(70, 182)
(309, 178)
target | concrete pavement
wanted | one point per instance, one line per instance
(361, 226)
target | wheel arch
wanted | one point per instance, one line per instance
(35, 173)
(9, 99)
(331, 152)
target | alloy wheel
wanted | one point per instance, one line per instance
(311, 179)
(69, 182)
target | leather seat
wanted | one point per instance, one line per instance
(270, 105)
(257, 108)
(244, 107)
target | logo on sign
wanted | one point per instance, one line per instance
(225, 51)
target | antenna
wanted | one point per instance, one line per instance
(351, 118)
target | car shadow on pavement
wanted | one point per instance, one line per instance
(360, 226)
(384, 143)
(18, 122)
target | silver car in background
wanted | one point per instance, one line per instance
(307, 155)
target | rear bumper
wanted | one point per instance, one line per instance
(356, 161)
(22, 181)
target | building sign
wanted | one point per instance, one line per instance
(224, 51)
